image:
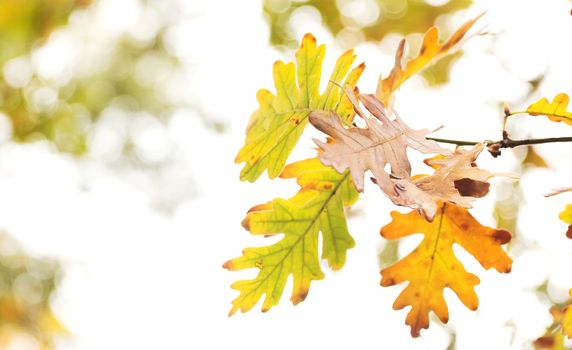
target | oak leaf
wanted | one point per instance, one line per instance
(555, 110)
(430, 51)
(317, 207)
(457, 180)
(383, 142)
(274, 129)
(432, 266)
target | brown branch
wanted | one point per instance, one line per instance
(495, 146)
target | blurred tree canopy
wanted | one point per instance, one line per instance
(373, 18)
(355, 21)
(24, 24)
(61, 68)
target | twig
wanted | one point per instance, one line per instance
(508, 143)
(495, 146)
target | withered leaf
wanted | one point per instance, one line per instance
(384, 141)
(457, 180)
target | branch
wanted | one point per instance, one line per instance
(495, 146)
(514, 143)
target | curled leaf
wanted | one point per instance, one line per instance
(432, 266)
(457, 180)
(383, 142)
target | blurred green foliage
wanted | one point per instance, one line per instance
(393, 16)
(353, 21)
(24, 24)
(64, 109)
(26, 286)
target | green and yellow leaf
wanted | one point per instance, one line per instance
(431, 50)
(274, 129)
(555, 110)
(317, 207)
(432, 266)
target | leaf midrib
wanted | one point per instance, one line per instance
(292, 247)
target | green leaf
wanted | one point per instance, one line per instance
(274, 129)
(317, 207)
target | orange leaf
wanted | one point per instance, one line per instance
(430, 51)
(432, 266)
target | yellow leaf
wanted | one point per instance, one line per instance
(566, 216)
(555, 110)
(317, 207)
(430, 51)
(567, 320)
(432, 266)
(274, 129)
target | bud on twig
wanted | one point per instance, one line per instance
(506, 110)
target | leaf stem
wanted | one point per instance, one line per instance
(455, 142)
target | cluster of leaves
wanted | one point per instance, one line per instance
(331, 182)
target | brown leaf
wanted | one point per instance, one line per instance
(457, 180)
(383, 141)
